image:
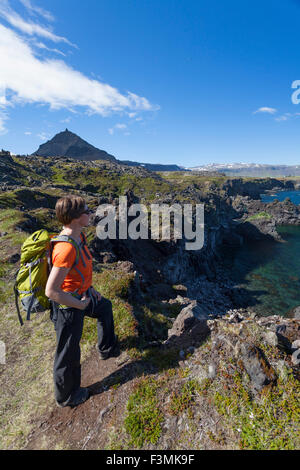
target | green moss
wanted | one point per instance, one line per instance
(182, 400)
(260, 215)
(46, 220)
(9, 218)
(144, 417)
(24, 172)
(8, 200)
(59, 176)
(185, 179)
(153, 324)
(161, 359)
(29, 198)
(7, 271)
(268, 423)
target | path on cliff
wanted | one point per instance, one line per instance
(84, 427)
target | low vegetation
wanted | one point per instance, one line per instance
(219, 413)
(175, 403)
(260, 215)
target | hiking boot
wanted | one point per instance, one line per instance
(79, 397)
(114, 352)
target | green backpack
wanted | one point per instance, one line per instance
(35, 267)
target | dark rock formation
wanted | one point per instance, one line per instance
(294, 313)
(67, 144)
(254, 188)
(259, 220)
(5, 156)
(286, 334)
(8, 170)
(257, 366)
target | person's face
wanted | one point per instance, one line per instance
(84, 219)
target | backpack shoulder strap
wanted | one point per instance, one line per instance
(83, 237)
(67, 239)
(17, 304)
(84, 244)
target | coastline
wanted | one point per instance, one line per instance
(196, 359)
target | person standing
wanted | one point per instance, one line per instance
(73, 297)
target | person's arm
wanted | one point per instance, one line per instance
(95, 293)
(53, 290)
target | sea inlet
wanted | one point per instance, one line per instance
(270, 271)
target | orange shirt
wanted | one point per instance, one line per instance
(63, 256)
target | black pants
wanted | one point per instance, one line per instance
(68, 326)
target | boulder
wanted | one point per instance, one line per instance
(271, 338)
(287, 333)
(294, 313)
(296, 357)
(259, 370)
(190, 326)
(184, 321)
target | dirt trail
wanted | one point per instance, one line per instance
(86, 426)
(111, 382)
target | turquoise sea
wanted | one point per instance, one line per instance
(281, 195)
(270, 272)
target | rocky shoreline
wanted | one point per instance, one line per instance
(234, 215)
(199, 369)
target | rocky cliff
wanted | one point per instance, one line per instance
(196, 371)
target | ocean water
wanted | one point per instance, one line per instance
(270, 271)
(281, 195)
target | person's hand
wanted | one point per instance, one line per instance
(96, 294)
(84, 301)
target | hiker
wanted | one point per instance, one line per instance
(70, 289)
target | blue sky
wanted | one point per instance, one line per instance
(188, 82)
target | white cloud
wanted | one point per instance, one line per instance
(29, 79)
(119, 127)
(43, 136)
(28, 133)
(33, 9)
(142, 103)
(28, 27)
(41, 45)
(3, 101)
(266, 110)
(287, 116)
(3, 119)
(282, 118)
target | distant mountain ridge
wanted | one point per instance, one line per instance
(68, 144)
(249, 169)
(154, 166)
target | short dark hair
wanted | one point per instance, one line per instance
(69, 208)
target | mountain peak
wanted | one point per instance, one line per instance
(68, 144)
